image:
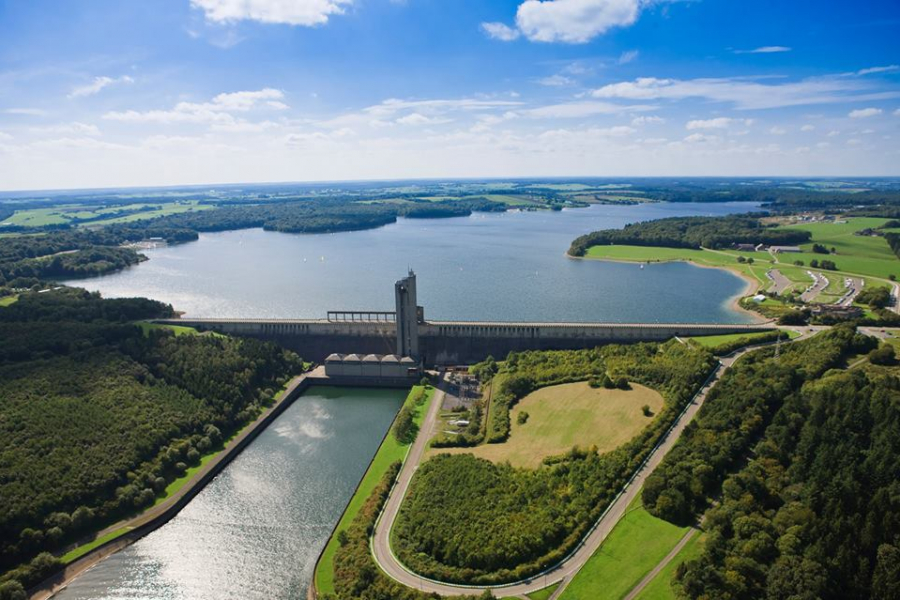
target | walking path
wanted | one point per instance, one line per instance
(662, 565)
(380, 542)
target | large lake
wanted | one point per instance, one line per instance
(498, 267)
(256, 530)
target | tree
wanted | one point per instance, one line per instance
(820, 249)
(12, 590)
(886, 579)
(884, 355)
(646, 410)
(404, 427)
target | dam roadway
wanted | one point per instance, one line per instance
(452, 342)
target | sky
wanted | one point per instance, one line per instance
(111, 93)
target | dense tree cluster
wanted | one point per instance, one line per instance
(98, 418)
(357, 577)
(692, 232)
(736, 412)
(815, 514)
(876, 297)
(471, 521)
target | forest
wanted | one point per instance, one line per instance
(468, 520)
(98, 417)
(815, 512)
(692, 232)
(736, 412)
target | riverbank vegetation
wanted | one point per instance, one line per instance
(469, 520)
(813, 513)
(100, 418)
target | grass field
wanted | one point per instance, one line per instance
(713, 341)
(660, 588)
(545, 593)
(636, 545)
(388, 453)
(178, 329)
(59, 215)
(707, 258)
(572, 414)
(7, 300)
(82, 550)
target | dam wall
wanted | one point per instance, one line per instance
(452, 342)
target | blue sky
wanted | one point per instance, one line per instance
(100, 93)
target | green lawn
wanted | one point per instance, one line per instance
(709, 258)
(713, 341)
(80, 551)
(660, 588)
(59, 215)
(7, 300)
(544, 594)
(636, 545)
(388, 453)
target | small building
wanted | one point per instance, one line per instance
(745, 247)
(371, 365)
(352, 366)
(785, 249)
(374, 366)
(334, 365)
(837, 311)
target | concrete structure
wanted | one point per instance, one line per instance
(409, 315)
(380, 338)
(785, 249)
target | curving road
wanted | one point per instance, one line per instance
(380, 542)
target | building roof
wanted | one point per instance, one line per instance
(390, 358)
(376, 358)
(334, 358)
(407, 361)
(352, 358)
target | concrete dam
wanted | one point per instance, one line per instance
(439, 343)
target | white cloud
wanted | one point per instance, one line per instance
(648, 120)
(417, 119)
(568, 21)
(765, 50)
(833, 133)
(28, 112)
(75, 128)
(629, 56)
(698, 138)
(556, 81)
(289, 12)
(745, 93)
(808, 128)
(573, 110)
(5, 137)
(717, 123)
(778, 130)
(500, 31)
(218, 111)
(865, 113)
(873, 70)
(854, 142)
(897, 113)
(98, 84)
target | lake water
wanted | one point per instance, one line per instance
(256, 530)
(497, 267)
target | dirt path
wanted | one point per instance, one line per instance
(662, 565)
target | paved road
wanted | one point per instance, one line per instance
(820, 282)
(779, 281)
(385, 558)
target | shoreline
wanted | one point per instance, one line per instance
(751, 285)
(157, 516)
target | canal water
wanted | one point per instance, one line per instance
(498, 267)
(256, 530)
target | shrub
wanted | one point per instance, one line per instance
(522, 418)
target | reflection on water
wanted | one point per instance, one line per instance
(503, 267)
(256, 530)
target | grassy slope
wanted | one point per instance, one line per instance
(567, 415)
(660, 588)
(39, 217)
(636, 545)
(388, 453)
(712, 341)
(7, 300)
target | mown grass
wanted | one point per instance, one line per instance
(543, 594)
(636, 545)
(714, 341)
(8, 300)
(388, 453)
(60, 215)
(567, 415)
(660, 587)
